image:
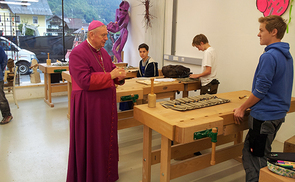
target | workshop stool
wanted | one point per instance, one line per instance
(11, 88)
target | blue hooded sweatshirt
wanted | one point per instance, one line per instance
(273, 82)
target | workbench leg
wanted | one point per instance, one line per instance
(173, 98)
(239, 138)
(49, 89)
(69, 98)
(147, 150)
(165, 159)
(185, 92)
(45, 86)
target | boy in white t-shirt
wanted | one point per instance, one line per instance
(209, 70)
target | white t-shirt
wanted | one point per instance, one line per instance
(209, 60)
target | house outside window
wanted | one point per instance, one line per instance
(35, 19)
(17, 19)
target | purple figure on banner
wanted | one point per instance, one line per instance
(120, 24)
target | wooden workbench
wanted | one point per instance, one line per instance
(49, 87)
(162, 90)
(180, 127)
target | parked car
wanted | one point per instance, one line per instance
(22, 57)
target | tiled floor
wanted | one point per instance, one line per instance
(34, 148)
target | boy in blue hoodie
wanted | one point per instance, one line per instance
(270, 98)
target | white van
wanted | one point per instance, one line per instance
(22, 57)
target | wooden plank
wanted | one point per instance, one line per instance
(51, 69)
(66, 76)
(125, 114)
(184, 130)
(126, 120)
(129, 92)
(164, 87)
(234, 128)
(121, 65)
(127, 123)
(165, 95)
(42, 67)
(165, 159)
(228, 117)
(154, 121)
(59, 87)
(200, 162)
(181, 150)
(292, 107)
(289, 145)
(131, 74)
(147, 148)
(193, 86)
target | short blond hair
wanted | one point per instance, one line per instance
(274, 22)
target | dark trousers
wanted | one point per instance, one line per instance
(257, 145)
(4, 105)
(210, 88)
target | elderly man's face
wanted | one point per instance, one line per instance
(99, 37)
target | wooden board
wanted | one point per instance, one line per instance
(50, 68)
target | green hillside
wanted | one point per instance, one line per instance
(103, 10)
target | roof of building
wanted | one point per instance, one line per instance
(54, 16)
(36, 8)
(72, 23)
(76, 23)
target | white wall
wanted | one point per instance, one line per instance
(231, 27)
(139, 34)
(32, 92)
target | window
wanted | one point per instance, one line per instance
(5, 46)
(52, 29)
(17, 19)
(35, 19)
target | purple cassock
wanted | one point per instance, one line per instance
(93, 154)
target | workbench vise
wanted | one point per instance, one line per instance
(59, 70)
(130, 97)
(206, 133)
(212, 133)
